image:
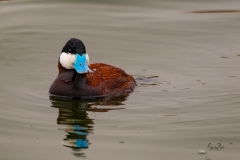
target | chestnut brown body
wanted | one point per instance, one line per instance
(105, 80)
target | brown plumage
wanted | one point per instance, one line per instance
(105, 80)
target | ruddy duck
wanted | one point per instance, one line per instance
(76, 78)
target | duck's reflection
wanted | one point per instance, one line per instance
(74, 120)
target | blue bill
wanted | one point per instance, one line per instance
(81, 65)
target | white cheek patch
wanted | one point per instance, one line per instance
(87, 58)
(67, 60)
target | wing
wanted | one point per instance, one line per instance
(113, 79)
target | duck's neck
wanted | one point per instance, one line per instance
(70, 75)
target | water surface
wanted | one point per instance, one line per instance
(184, 56)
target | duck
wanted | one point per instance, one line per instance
(78, 78)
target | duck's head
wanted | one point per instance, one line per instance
(74, 56)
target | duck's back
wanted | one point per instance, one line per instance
(112, 79)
